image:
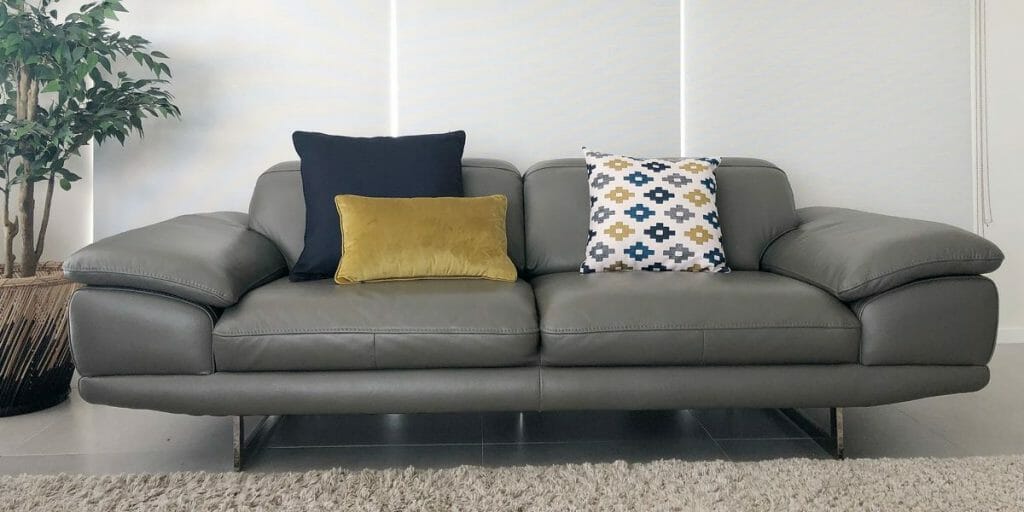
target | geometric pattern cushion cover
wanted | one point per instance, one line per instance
(652, 214)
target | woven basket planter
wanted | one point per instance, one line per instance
(35, 354)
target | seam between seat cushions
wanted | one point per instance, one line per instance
(703, 344)
(641, 328)
(540, 388)
(452, 332)
(373, 346)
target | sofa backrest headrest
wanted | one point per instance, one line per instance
(755, 205)
(278, 211)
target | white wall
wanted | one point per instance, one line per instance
(246, 75)
(865, 104)
(1006, 145)
(71, 218)
(531, 80)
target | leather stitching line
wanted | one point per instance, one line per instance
(452, 332)
(220, 296)
(869, 280)
(869, 300)
(654, 327)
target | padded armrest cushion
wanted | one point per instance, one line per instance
(210, 258)
(854, 254)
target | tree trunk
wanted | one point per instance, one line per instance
(26, 218)
(45, 221)
(27, 101)
(10, 232)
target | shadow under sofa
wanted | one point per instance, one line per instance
(824, 307)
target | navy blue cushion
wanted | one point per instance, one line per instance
(413, 166)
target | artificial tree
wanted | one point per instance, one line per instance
(60, 91)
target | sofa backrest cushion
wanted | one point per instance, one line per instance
(755, 206)
(278, 210)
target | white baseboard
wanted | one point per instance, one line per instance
(1010, 335)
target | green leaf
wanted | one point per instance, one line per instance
(159, 55)
(52, 86)
(65, 184)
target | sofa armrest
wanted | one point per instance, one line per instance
(853, 254)
(210, 259)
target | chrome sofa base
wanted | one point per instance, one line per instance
(831, 440)
(245, 446)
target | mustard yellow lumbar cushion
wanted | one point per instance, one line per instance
(423, 238)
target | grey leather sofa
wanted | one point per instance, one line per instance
(825, 307)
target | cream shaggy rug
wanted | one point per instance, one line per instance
(984, 483)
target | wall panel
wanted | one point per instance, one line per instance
(865, 104)
(532, 79)
(246, 74)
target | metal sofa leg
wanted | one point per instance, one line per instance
(245, 447)
(832, 439)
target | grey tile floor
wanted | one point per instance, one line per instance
(83, 438)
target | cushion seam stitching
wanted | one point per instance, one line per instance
(181, 282)
(372, 332)
(875, 277)
(689, 328)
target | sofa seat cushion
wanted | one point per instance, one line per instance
(318, 325)
(682, 318)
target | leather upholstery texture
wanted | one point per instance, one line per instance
(687, 318)
(528, 389)
(134, 332)
(755, 206)
(210, 259)
(318, 325)
(278, 211)
(836, 385)
(392, 238)
(854, 254)
(363, 392)
(945, 320)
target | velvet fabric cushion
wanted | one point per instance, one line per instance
(390, 239)
(653, 214)
(412, 166)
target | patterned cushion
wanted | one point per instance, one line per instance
(652, 214)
